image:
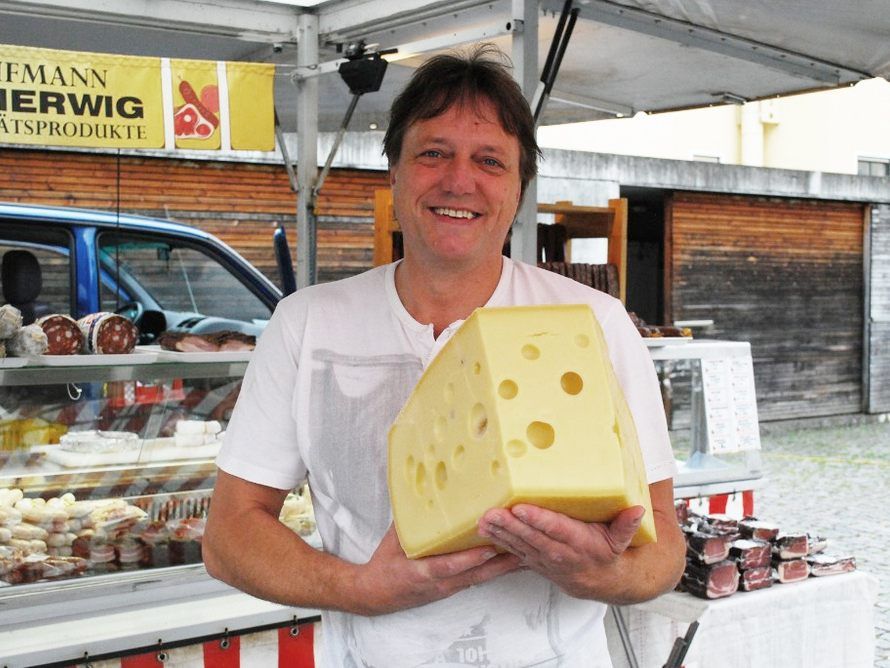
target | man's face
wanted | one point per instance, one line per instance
(456, 187)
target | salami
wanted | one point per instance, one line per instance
(107, 334)
(28, 340)
(63, 335)
(10, 320)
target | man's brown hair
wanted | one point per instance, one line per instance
(449, 79)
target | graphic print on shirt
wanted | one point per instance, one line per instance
(471, 649)
(355, 400)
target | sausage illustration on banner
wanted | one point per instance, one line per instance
(197, 118)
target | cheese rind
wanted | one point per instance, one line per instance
(520, 406)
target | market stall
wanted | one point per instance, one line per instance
(820, 622)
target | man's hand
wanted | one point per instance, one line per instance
(281, 567)
(391, 581)
(582, 558)
(591, 560)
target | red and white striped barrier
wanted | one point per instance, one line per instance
(286, 647)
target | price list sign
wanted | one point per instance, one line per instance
(730, 404)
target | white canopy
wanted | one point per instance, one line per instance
(625, 56)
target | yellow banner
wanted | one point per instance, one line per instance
(66, 98)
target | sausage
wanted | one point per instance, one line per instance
(63, 336)
(108, 334)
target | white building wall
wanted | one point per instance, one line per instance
(826, 131)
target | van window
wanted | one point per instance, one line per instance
(166, 276)
(52, 256)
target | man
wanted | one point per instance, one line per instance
(338, 361)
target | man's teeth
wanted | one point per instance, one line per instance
(455, 213)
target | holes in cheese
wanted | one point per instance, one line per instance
(540, 435)
(571, 383)
(439, 427)
(457, 457)
(478, 421)
(516, 448)
(441, 475)
(409, 467)
(521, 405)
(508, 389)
(420, 481)
(530, 352)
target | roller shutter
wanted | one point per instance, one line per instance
(785, 275)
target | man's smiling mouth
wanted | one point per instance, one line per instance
(455, 213)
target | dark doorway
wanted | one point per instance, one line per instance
(645, 252)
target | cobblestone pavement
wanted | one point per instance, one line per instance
(834, 481)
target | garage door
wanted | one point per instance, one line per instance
(785, 275)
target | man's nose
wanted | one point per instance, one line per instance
(459, 177)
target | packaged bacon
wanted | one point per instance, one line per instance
(756, 578)
(751, 527)
(750, 553)
(824, 564)
(706, 548)
(791, 546)
(108, 334)
(63, 335)
(711, 580)
(791, 570)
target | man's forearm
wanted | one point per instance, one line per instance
(267, 560)
(645, 572)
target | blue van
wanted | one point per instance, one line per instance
(161, 274)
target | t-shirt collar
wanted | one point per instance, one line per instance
(497, 297)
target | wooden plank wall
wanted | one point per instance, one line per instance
(239, 202)
(785, 275)
(878, 326)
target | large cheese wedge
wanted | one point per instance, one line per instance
(520, 406)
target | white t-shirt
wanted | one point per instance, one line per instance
(333, 368)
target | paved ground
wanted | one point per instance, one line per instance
(835, 481)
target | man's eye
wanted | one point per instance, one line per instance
(491, 162)
(431, 153)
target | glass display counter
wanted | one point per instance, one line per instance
(724, 454)
(106, 471)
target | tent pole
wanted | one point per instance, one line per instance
(307, 149)
(524, 53)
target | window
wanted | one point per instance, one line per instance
(874, 167)
(168, 277)
(52, 254)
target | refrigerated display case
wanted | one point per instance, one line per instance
(719, 399)
(106, 470)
